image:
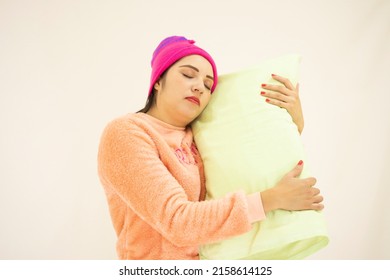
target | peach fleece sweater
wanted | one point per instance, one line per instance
(153, 178)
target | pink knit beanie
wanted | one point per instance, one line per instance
(170, 50)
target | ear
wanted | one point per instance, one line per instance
(157, 85)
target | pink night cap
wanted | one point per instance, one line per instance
(170, 50)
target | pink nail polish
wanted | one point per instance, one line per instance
(273, 75)
(300, 162)
(262, 93)
(267, 100)
(263, 85)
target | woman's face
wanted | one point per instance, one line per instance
(184, 91)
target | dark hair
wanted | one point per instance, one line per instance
(152, 97)
(149, 102)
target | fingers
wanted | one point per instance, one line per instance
(300, 194)
(316, 206)
(315, 200)
(284, 81)
(277, 103)
(276, 95)
(315, 191)
(280, 101)
(318, 199)
(287, 87)
(309, 182)
(316, 203)
(283, 96)
(306, 182)
(296, 171)
(276, 88)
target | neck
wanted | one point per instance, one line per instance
(165, 117)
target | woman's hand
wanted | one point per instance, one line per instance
(285, 96)
(292, 193)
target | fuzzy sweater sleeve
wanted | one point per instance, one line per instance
(130, 166)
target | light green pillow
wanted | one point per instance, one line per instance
(248, 144)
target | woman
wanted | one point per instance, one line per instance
(153, 175)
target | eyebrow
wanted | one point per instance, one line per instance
(197, 70)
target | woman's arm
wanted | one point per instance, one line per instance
(130, 165)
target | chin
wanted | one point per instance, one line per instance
(190, 116)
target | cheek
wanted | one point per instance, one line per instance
(206, 100)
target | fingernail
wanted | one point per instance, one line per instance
(263, 85)
(262, 93)
(267, 100)
(300, 162)
(273, 75)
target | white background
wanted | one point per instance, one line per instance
(69, 67)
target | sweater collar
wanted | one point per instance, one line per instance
(160, 124)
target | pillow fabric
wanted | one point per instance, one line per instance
(248, 144)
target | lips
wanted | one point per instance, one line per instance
(194, 100)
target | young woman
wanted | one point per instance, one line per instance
(152, 172)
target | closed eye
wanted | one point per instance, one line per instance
(190, 77)
(187, 76)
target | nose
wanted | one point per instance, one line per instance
(198, 86)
